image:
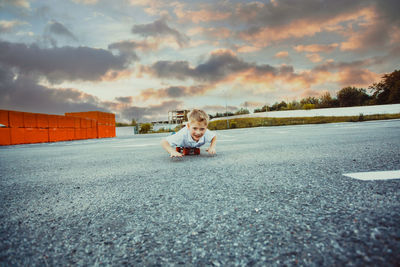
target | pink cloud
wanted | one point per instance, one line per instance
(282, 54)
(247, 49)
(316, 48)
(314, 58)
(206, 14)
(264, 36)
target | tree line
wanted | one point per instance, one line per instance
(387, 91)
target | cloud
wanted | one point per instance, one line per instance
(125, 100)
(223, 66)
(353, 73)
(285, 12)
(174, 92)
(206, 14)
(282, 54)
(314, 58)
(159, 28)
(247, 49)
(215, 33)
(377, 34)
(252, 104)
(219, 65)
(16, 3)
(22, 92)
(279, 21)
(86, 2)
(59, 29)
(7, 26)
(151, 113)
(152, 7)
(61, 64)
(316, 48)
(128, 48)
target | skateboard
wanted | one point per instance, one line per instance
(188, 150)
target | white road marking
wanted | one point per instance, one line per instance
(137, 145)
(369, 176)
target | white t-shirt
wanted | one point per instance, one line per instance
(183, 138)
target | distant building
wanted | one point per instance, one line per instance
(177, 116)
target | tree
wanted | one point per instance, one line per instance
(326, 101)
(263, 109)
(133, 123)
(311, 100)
(278, 106)
(145, 128)
(242, 111)
(352, 96)
(387, 91)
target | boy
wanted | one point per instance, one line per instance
(195, 134)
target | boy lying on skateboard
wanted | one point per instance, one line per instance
(190, 138)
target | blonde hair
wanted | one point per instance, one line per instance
(198, 115)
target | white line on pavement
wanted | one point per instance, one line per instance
(137, 145)
(368, 176)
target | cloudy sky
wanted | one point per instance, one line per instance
(141, 58)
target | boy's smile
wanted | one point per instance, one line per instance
(197, 129)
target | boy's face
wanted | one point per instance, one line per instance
(197, 129)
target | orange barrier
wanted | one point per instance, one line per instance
(5, 136)
(25, 128)
(16, 119)
(29, 120)
(36, 135)
(42, 120)
(4, 118)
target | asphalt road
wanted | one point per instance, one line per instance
(271, 196)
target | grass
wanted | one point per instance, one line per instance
(257, 122)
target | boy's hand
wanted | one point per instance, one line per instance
(174, 154)
(211, 151)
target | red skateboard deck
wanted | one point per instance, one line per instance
(188, 150)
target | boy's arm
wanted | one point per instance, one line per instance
(211, 150)
(169, 149)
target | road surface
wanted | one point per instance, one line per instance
(271, 196)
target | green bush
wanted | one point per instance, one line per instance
(232, 124)
(145, 128)
(308, 106)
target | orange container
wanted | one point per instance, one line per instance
(17, 136)
(80, 134)
(16, 119)
(77, 122)
(70, 122)
(30, 120)
(57, 134)
(86, 123)
(36, 135)
(62, 122)
(70, 133)
(5, 136)
(4, 118)
(42, 120)
(53, 121)
(103, 131)
(91, 133)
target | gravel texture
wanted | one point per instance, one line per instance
(271, 196)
